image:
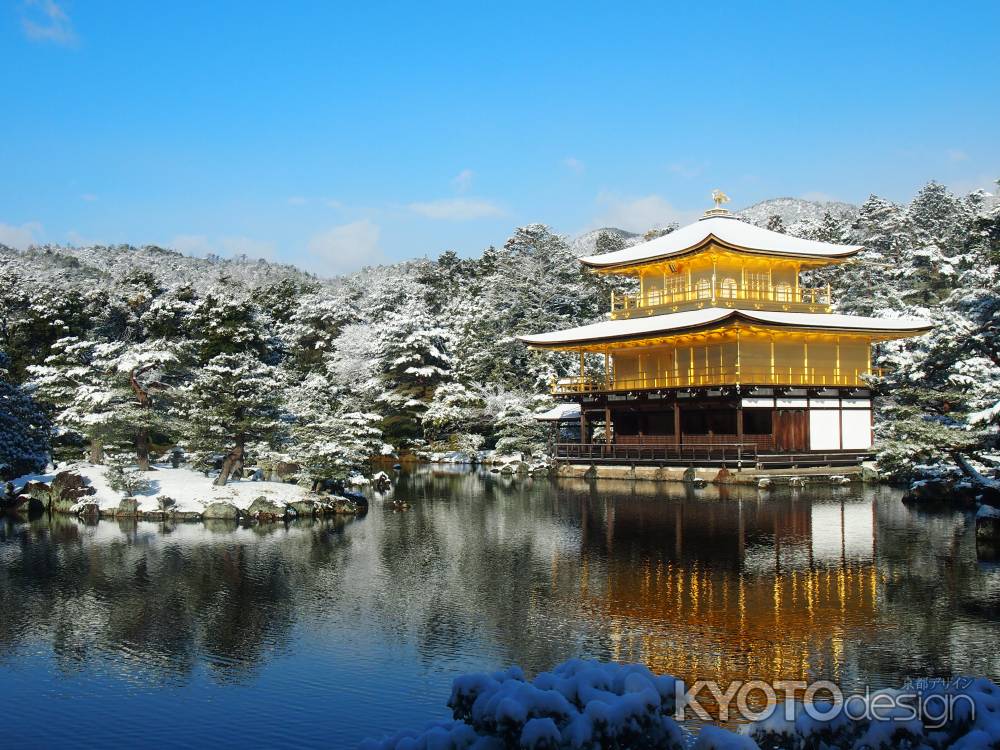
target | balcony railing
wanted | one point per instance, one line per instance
(718, 376)
(721, 292)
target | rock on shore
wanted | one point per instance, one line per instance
(179, 494)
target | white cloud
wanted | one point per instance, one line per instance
(638, 214)
(574, 165)
(20, 238)
(247, 246)
(819, 196)
(73, 237)
(345, 248)
(457, 209)
(333, 203)
(88, 197)
(686, 170)
(46, 21)
(191, 244)
(956, 154)
(463, 180)
(200, 245)
(964, 186)
(296, 200)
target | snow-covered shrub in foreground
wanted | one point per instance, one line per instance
(579, 704)
(589, 705)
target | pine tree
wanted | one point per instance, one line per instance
(327, 438)
(74, 381)
(232, 408)
(24, 430)
(414, 360)
(454, 409)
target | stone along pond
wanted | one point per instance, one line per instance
(319, 634)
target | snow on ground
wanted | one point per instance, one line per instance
(191, 490)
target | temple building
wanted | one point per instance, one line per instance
(722, 356)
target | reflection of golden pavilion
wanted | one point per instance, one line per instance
(765, 592)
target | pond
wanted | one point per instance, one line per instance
(318, 634)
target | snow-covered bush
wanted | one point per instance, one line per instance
(587, 705)
(123, 476)
(579, 704)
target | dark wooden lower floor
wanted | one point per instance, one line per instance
(832, 424)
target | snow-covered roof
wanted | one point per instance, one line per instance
(712, 317)
(723, 230)
(559, 413)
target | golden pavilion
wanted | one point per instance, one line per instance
(723, 356)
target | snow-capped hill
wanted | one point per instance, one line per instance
(795, 211)
(111, 264)
(586, 243)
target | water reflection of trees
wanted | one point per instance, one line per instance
(483, 571)
(157, 600)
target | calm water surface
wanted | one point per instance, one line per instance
(318, 634)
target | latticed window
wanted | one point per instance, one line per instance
(674, 286)
(702, 289)
(757, 283)
(727, 290)
(783, 292)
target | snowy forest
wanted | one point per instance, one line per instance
(127, 353)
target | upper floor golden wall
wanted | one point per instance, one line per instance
(721, 278)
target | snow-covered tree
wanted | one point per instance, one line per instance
(74, 381)
(24, 445)
(414, 360)
(454, 408)
(232, 409)
(328, 438)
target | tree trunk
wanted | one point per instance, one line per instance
(96, 451)
(988, 488)
(142, 448)
(233, 459)
(146, 402)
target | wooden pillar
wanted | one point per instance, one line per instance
(607, 425)
(642, 289)
(805, 361)
(607, 370)
(797, 268)
(836, 368)
(583, 425)
(677, 423)
(714, 278)
(738, 371)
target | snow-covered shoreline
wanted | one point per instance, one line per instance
(179, 493)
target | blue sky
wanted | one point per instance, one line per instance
(334, 135)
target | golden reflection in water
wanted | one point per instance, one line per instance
(771, 596)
